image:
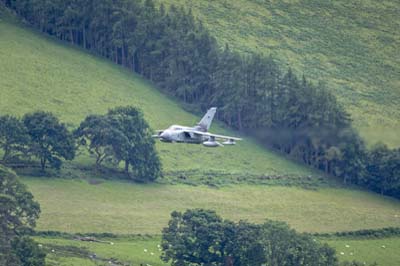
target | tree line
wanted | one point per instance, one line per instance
(174, 50)
(121, 135)
(202, 237)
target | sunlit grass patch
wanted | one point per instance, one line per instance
(384, 251)
(133, 251)
(127, 208)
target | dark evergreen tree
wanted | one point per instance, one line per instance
(383, 169)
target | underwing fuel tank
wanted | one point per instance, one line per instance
(211, 143)
(229, 142)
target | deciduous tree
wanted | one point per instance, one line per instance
(13, 136)
(100, 137)
(18, 212)
(122, 135)
(201, 237)
(50, 140)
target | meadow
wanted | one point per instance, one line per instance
(126, 249)
(352, 47)
(383, 251)
(128, 208)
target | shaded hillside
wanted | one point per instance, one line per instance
(353, 47)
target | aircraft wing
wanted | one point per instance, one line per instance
(196, 132)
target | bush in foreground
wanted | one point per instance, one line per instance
(18, 213)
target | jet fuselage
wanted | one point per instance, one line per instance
(177, 133)
(197, 134)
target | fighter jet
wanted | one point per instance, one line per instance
(198, 134)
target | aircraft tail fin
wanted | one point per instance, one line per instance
(207, 119)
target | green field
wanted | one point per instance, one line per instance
(353, 46)
(126, 249)
(384, 251)
(125, 208)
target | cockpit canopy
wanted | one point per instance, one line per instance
(175, 127)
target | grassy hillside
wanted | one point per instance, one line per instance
(125, 208)
(38, 73)
(352, 46)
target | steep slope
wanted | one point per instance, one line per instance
(351, 46)
(38, 73)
